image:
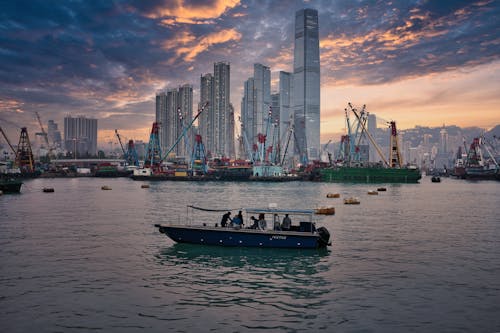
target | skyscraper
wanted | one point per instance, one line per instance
(262, 85)
(306, 84)
(222, 112)
(174, 112)
(80, 136)
(248, 108)
(286, 117)
(206, 121)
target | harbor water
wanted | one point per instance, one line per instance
(415, 258)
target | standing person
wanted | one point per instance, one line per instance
(262, 222)
(238, 221)
(287, 223)
(276, 222)
(226, 217)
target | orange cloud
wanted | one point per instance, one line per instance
(187, 46)
(181, 12)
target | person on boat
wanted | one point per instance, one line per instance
(262, 222)
(238, 221)
(226, 217)
(255, 224)
(287, 223)
(276, 222)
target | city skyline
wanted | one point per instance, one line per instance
(419, 63)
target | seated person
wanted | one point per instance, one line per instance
(238, 221)
(287, 223)
(255, 224)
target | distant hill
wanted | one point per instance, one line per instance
(494, 132)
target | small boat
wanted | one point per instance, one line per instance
(48, 189)
(325, 211)
(435, 179)
(301, 235)
(381, 189)
(10, 185)
(333, 195)
(144, 186)
(372, 192)
(351, 201)
(105, 187)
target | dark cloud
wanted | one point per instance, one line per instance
(107, 57)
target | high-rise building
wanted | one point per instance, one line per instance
(306, 84)
(174, 113)
(80, 136)
(262, 85)
(248, 110)
(286, 116)
(53, 133)
(222, 111)
(207, 120)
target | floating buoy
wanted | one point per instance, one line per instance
(144, 186)
(381, 189)
(333, 195)
(105, 188)
(325, 210)
(373, 192)
(351, 201)
(48, 189)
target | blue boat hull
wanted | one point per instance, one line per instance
(243, 237)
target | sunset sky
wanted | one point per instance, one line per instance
(421, 62)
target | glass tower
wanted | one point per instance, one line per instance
(306, 85)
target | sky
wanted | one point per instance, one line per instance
(424, 63)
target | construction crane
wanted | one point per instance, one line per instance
(186, 128)
(121, 144)
(45, 136)
(8, 141)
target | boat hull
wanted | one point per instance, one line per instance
(370, 175)
(229, 237)
(10, 186)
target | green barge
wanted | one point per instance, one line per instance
(370, 174)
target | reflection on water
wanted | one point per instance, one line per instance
(284, 280)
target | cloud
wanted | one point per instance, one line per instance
(180, 11)
(187, 46)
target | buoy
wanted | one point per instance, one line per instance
(105, 188)
(144, 186)
(48, 189)
(381, 189)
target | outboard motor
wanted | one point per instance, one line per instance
(324, 236)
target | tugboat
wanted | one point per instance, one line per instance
(10, 185)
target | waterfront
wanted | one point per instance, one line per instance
(419, 257)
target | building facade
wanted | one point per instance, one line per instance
(306, 85)
(80, 136)
(174, 113)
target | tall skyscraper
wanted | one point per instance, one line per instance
(222, 112)
(80, 136)
(286, 117)
(248, 110)
(262, 85)
(174, 112)
(207, 120)
(306, 84)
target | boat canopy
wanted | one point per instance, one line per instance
(279, 211)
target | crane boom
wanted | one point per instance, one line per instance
(8, 141)
(120, 141)
(45, 136)
(184, 132)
